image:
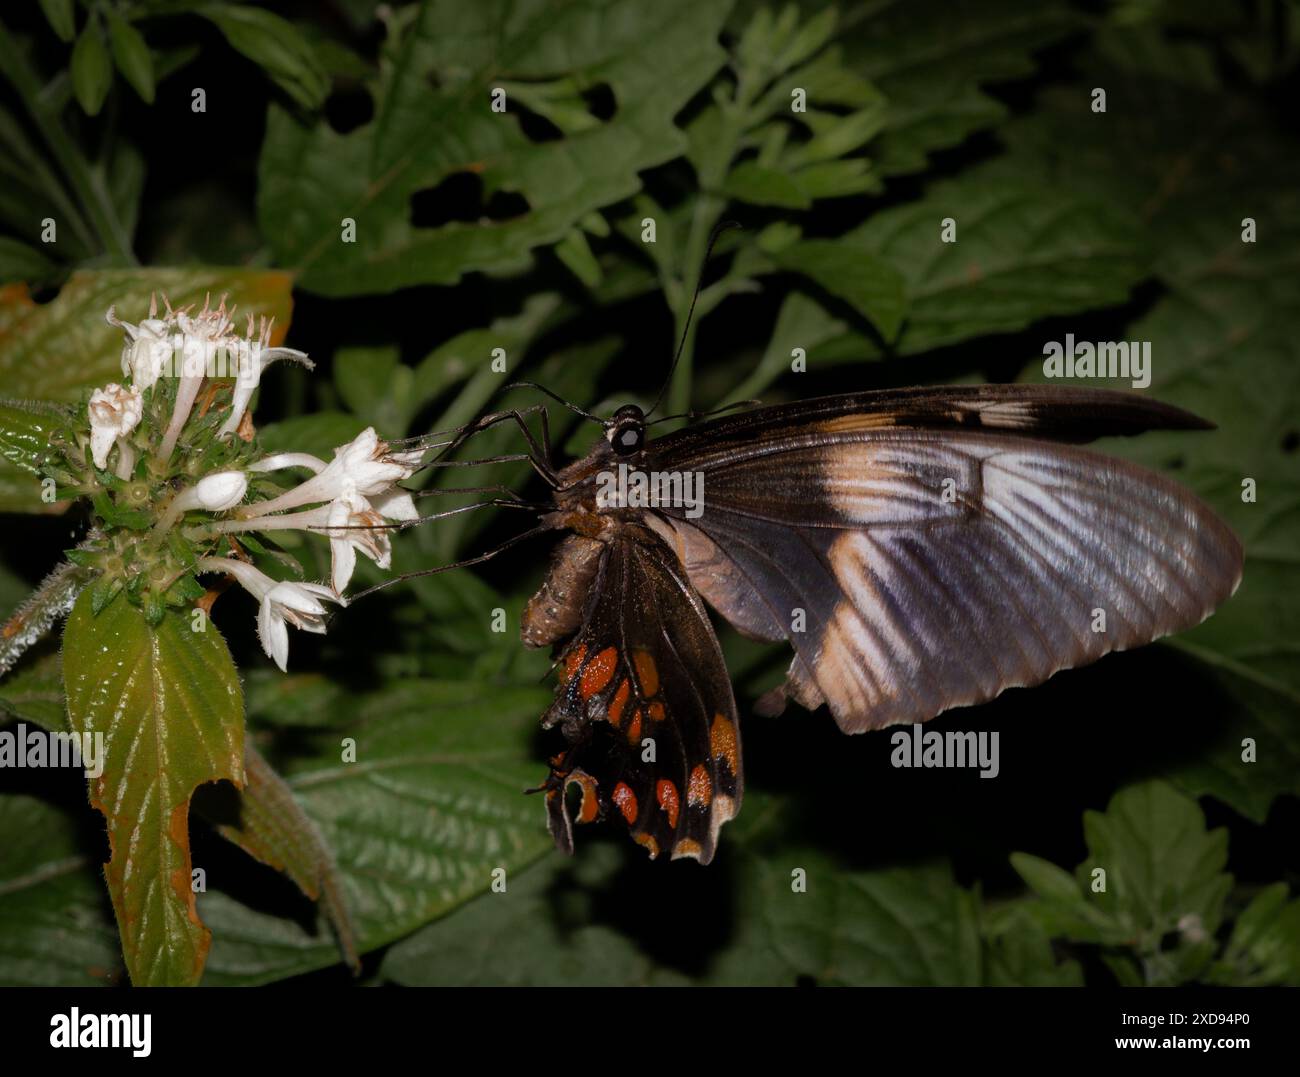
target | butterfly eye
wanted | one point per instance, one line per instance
(628, 438)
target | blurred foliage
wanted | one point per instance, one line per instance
(346, 158)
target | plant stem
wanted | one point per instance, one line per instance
(91, 192)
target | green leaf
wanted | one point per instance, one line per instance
(131, 55)
(53, 927)
(34, 693)
(1153, 874)
(1019, 954)
(801, 323)
(574, 251)
(1264, 948)
(22, 262)
(266, 821)
(92, 72)
(870, 284)
(751, 182)
(167, 703)
(432, 805)
(276, 46)
(61, 17)
(1023, 251)
(591, 921)
(930, 58)
(376, 387)
(434, 120)
(60, 349)
(25, 433)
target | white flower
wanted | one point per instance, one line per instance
(297, 604)
(114, 412)
(220, 491)
(255, 357)
(281, 603)
(355, 525)
(147, 349)
(396, 504)
(364, 464)
(213, 493)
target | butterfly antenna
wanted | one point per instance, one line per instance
(690, 313)
(554, 396)
(693, 416)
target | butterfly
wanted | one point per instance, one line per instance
(919, 549)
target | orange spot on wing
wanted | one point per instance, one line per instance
(699, 790)
(648, 841)
(625, 800)
(598, 672)
(647, 673)
(634, 727)
(572, 662)
(657, 711)
(616, 705)
(722, 742)
(666, 794)
(590, 804)
(687, 847)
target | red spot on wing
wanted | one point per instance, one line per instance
(625, 800)
(666, 794)
(598, 672)
(616, 705)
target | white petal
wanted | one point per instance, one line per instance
(343, 563)
(274, 635)
(396, 504)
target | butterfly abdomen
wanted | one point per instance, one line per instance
(555, 612)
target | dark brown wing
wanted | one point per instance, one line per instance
(646, 707)
(920, 567)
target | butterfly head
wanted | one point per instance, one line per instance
(626, 430)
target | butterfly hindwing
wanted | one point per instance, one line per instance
(646, 708)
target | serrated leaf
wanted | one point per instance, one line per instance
(867, 282)
(931, 57)
(167, 703)
(58, 350)
(434, 119)
(266, 821)
(432, 805)
(53, 927)
(1023, 251)
(593, 921)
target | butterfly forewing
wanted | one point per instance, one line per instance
(917, 569)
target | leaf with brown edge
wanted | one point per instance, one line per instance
(267, 822)
(168, 703)
(59, 349)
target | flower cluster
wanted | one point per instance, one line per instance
(179, 485)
